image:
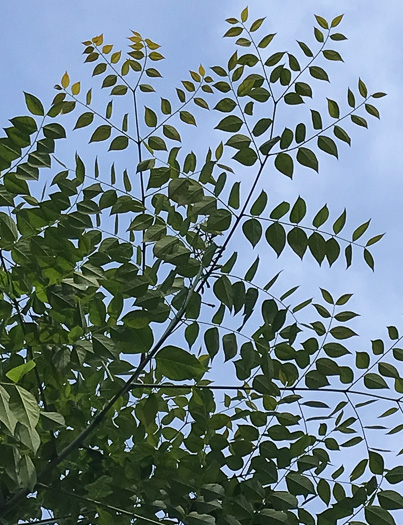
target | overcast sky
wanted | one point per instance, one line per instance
(40, 39)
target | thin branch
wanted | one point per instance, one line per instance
(30, 352)
(98, 504)
(100, 416)
(282, 389)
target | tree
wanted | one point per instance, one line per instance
(107, 409)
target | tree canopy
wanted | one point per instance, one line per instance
(124, 295)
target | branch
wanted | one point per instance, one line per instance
(98, 504)
(98, 418)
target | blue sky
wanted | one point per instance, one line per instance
(42, 39)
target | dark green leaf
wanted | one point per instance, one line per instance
(327, 145)
(119, 143)
(252, 230)
(33, 104)
(101, 133)
(298, 211)
(275, 236)
(226, 105)
(332, 55)
(230, 124)
(178, 365)
(340, 222)
(318, 73)
(298, 241)
(307, 158)
(284, 164)
(246, 156)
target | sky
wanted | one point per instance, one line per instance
(41, 39)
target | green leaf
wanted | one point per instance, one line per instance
(298, 241)
(317, 246)
(187, 117)
(393, 333)
(230, 346)
(230, 124)
(256, 24)
(252, 230)
(378, 516)
(395, 475)
(260, 204)
(300, 133)
(171, 133)
(233, 31)
(286, 138)
(321, 217)
(318, 73)
(261, 126)
(238, 141)
(84, 120)
(341, 134)
(194, 518)
(275, 236)
(362, 88)
(54, 131)
(166, 106)
(318, 35)
(340, 222)
(359, 232)
(299, 485)
(225, 105)
(212, 341)
(307, 157)
(333, 108)
(34, 105)
(322, 22)
(266, 40)
(54, 417)
(150, 118)
(360, 121)
(7, 416)
(305, 49)
(316, 119)
(246, 156)
(327, 145)
(369, 259)
(336, 20)
(274, 59)
(8, 229)
(374, 381)
(280, 210)
(25, 407)
(157, 143)
(298, 211)
(332, 55)
(101, 133)
(267, 146)
(178, 365)
(390, 500)
(119, 143)
(233, 199)
(223, 291)
(376, 463)
(293, 99)
(16, 373)
(342, 332)
(372, 110)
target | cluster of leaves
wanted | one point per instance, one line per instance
(93, 433)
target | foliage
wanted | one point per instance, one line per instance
(94, 433)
